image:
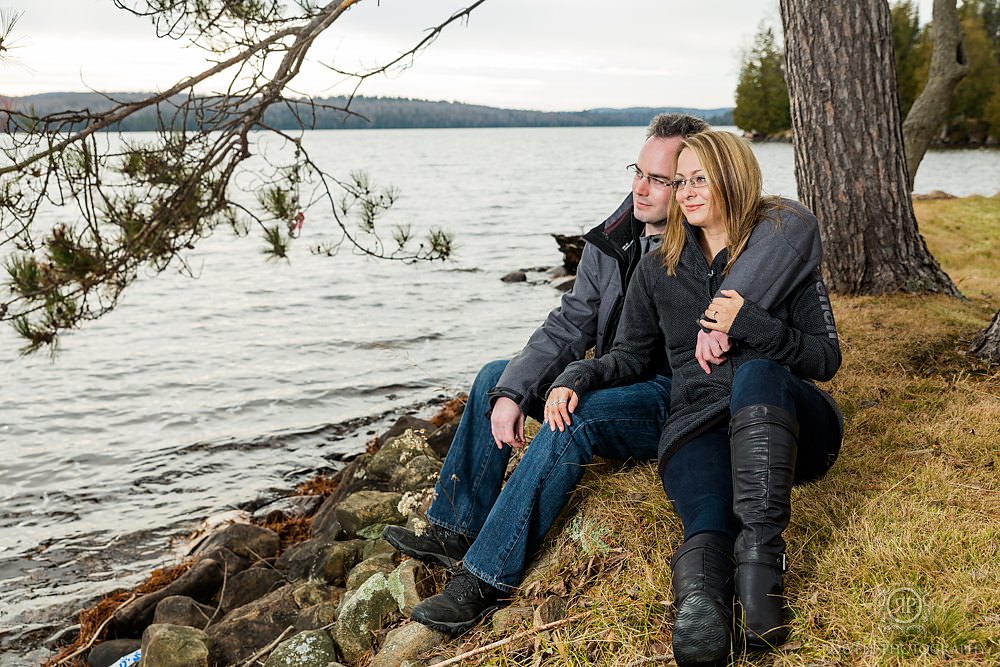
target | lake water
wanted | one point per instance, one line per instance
(198, 395)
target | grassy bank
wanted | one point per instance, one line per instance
(895, 555)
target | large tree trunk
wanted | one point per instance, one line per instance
(948, 66)
(849, 162)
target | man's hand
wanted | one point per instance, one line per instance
(559, 404)
(507, 423)
(711, 348)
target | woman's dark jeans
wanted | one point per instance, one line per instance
(698, 477)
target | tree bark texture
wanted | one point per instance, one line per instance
(948, 65)
(987, 342)
(848, 140)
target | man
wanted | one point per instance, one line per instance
(492, 533)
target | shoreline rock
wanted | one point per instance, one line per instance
(341, 593)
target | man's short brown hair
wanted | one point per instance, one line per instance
(667, 125)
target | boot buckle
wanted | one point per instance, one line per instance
(783, 563)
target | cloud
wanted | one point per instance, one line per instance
(557, 54)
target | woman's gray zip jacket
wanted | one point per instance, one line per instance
(660, 324)
(778, 257)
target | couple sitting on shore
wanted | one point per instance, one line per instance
(710, 321)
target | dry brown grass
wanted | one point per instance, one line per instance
(321, 485)
(94, 627)
(449, 410)
(908, 519)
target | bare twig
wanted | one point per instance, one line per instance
(432, 35)
(497, 644)
(97, 632)
(666, 657)
(123, 112)
(270, 647)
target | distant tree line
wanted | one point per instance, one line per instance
(762, 104)
(329, 114)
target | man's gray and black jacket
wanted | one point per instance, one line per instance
(586, 317)
(780, 254)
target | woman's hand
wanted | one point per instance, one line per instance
(559, 405)
(723, 310)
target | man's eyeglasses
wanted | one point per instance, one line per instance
(697, 182)
(654, 181)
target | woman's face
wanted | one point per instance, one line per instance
(693, 193)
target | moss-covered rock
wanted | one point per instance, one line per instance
(165, 645)
(312, 648)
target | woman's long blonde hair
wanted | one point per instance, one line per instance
(735, 184)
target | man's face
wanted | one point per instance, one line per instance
(650, 200)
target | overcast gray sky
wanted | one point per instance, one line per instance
(533, 54)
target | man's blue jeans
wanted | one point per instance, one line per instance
(507, 527)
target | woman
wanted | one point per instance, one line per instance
(731, 450)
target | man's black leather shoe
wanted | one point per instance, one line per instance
(465, 601)
(436, 545)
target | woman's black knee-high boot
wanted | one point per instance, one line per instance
(764, 441)
(703, 596)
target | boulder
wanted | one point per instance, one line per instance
(319, 615)
(350, 479)
(300, 561)
(107, 653)
(440, 439)
(337, 561)
(324, 524)
(249, 585)
(406, 643)
(182, 610)
(362, 614)
(312, 648)
(404, 423)
(255, 543)
(287, 508)
(420, 473)
(246, 630)
(230, 561)
(359, 574)
(174, 646)
(397, 453)
(377, 547)
(514, 277)
(364, 508)
(200, 582)
(409, 584)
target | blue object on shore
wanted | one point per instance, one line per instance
(132, 658)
